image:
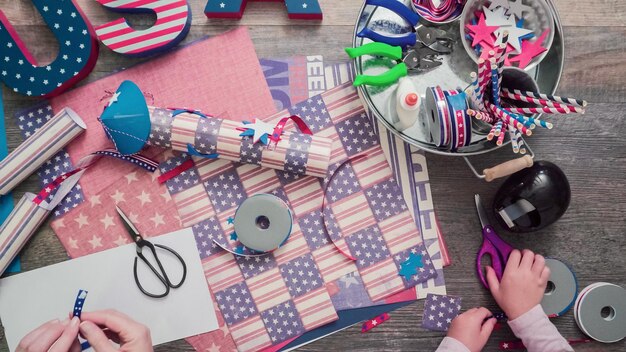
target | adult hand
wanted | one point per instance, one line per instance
(53, 336)
(100, 327)
(473, 328)
(523, 283)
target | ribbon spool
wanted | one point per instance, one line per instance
(600, 312)
(461, 125)
(562, 289)
(447, 118)
(438, 121)
(263, 223)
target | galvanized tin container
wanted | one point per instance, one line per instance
(452, 74)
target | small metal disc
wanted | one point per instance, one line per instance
(263, 222)
(562, 288)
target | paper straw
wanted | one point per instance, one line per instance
(503, 129)
(495, 88)
(554, 98)
(498, 128)
(520, 142)
(474, 91)
(540, 110)
(542, 102)
(39, 148)
(509, 118)
(514, 139)
(492, 133)
(214, 135)
(502, 55)
(539, 122)
(484, 80)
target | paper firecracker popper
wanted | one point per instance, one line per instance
(131, 124)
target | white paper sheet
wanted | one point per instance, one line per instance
(27, 300)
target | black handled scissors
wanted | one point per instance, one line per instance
(160, 273)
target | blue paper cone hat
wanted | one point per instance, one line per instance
(126, 119)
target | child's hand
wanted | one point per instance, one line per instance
(523, 283)
(469, 329)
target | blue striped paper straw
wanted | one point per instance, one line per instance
(495, 89)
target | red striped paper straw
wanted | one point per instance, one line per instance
(543, 109)
(510, 119)
(42, 145)
(542, 102)
(555, 98)
(492, 132)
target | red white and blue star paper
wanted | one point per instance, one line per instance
(78, 51)
(439, 311)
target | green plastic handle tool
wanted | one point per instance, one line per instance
(376, 49)
(385, 79)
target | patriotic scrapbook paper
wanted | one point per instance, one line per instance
(411, 173)
(366, 215)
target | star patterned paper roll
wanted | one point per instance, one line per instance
(39, 148)
(131, 124)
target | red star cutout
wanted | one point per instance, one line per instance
(482, 32)
(530, 50)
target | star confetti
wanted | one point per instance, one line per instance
(529, 51)
(439, 311)
(517, 8)
(409, 267)
(482, 32)
(258, 130)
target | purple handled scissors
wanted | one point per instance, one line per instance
(493, 246)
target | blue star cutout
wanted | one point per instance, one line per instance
(409, 267)
(233, 236)
(230, 220)
(239, 249)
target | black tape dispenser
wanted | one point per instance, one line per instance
(532, 198)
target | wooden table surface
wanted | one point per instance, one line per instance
(590, 149)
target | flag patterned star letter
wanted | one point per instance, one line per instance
(296, 9)
(78, 51)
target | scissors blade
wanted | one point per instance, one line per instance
(132, 230)
(482, 215)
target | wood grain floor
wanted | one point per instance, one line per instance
(591, 150)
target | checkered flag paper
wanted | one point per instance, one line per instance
(273, 298)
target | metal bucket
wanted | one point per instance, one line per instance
(452, 74)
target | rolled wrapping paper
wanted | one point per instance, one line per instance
(39, 148)
(132, 124)
(25, 219)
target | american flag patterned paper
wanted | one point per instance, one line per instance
(439, 311)
(293, 279)
(410, 171)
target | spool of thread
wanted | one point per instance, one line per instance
(263, 223)
(562, 289)
(600, 312)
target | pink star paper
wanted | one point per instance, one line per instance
(482, 32)
(530, 50)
